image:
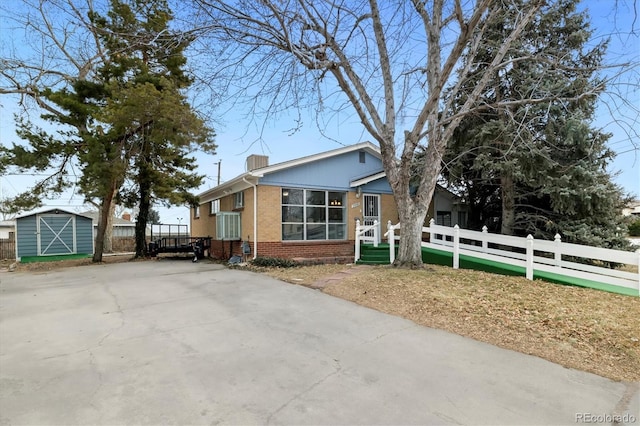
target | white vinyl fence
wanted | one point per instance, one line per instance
(366, 234)
(532, 254)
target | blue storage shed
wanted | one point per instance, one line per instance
(53, 232)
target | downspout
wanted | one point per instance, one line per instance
(255, 217)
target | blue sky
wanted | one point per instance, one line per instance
(237, 140)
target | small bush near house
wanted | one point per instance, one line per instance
(274, 262)
(634, 228)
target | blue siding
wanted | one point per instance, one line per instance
(84, 235)
(333, 173)
(380, 186)
(26, 236)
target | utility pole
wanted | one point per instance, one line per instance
(219, 163)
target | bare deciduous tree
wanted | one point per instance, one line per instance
(110, 80)
(397, 64)
(61, 48)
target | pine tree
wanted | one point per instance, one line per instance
(540, 166)
(148, 106)
(123, 119)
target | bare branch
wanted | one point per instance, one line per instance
(401, 89)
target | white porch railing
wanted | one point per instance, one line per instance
(532, 254)
(366, 233)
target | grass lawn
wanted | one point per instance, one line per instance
(577, 327)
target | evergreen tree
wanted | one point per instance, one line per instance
(154, 217)
(539, 165)
(123, 118)
(78, 141)
(148, 106)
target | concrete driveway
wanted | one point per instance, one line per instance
(172, 342)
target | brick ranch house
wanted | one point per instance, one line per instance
(306, 207)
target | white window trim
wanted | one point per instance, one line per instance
(228, 226)
(238, 200)
(327, 206)
(214, 206)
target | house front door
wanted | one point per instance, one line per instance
(371, 212)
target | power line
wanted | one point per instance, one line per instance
(34, 174)
(627, 140)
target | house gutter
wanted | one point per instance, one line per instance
(255, 216)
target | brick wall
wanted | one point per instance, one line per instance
(246, 214)
(270, 229)
(388, 211)
(286, 250)
(353, 211)
(270, 213)
(225, 249)
(308, 249)
(205, 225)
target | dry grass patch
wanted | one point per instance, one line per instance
(304, 275)
(58, 264)
(576, 327)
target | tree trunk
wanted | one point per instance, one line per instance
(108, 236)
(412, 209)
(508, 204)
(144, 184)
(108, 232)
(410, 246)
(103, 221)
(141, 227)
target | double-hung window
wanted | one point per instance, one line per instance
(214, 206)
(313, 215)
(238, 200)
(443, 218)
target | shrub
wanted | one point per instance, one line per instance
(274, 262)
(634, 228)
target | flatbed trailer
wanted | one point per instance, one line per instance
(198, 246)
(171, 238)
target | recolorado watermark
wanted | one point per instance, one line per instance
(606, 418)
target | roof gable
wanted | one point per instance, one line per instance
(116, 220)
(47, 209)
(276, 173)
(330, 172)
(380, 174)
(363, 146)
